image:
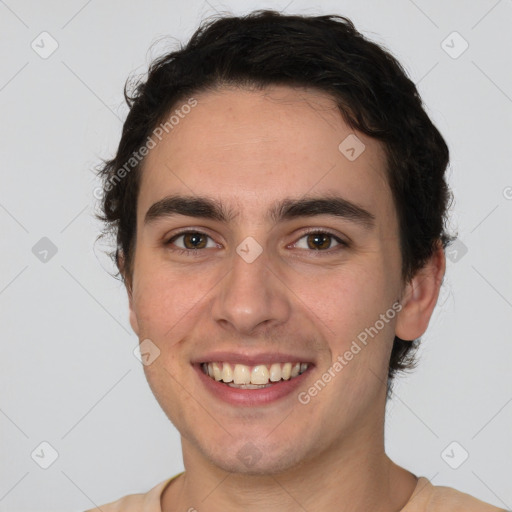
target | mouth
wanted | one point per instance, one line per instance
(258, 376)
(259, 383)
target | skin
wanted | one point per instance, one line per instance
(251, 148)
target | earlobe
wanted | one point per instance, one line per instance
(420, 297)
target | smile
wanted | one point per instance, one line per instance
(257, 376)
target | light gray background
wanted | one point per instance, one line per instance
(68, 373)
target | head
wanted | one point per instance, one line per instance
(251, 113)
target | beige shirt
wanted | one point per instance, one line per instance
(425, 498)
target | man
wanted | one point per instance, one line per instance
(279, 199)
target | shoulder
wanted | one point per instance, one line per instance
(149, 501)
(433, 498)
(129, 503)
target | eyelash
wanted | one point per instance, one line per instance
(195, 252)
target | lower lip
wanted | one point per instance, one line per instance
(251, 397)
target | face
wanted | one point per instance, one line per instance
(256, 290)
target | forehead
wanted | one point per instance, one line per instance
(250, 146)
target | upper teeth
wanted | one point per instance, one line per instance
(259, 374)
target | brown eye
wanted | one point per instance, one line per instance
(193, 241)
(319, 241)
(190, 241)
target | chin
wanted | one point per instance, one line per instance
(255, 458)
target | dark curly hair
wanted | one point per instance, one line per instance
(326, 53)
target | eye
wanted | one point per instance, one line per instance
(191, 241)
(319, 241)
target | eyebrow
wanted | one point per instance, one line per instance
(286, 209)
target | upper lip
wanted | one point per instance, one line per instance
(251, 359)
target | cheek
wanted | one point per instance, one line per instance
(164, 378)
(164, 304)
(347, 306)
(344, 301)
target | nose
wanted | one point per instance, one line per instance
(251, 297)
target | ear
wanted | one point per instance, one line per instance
(420, 297)
(128, 286)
